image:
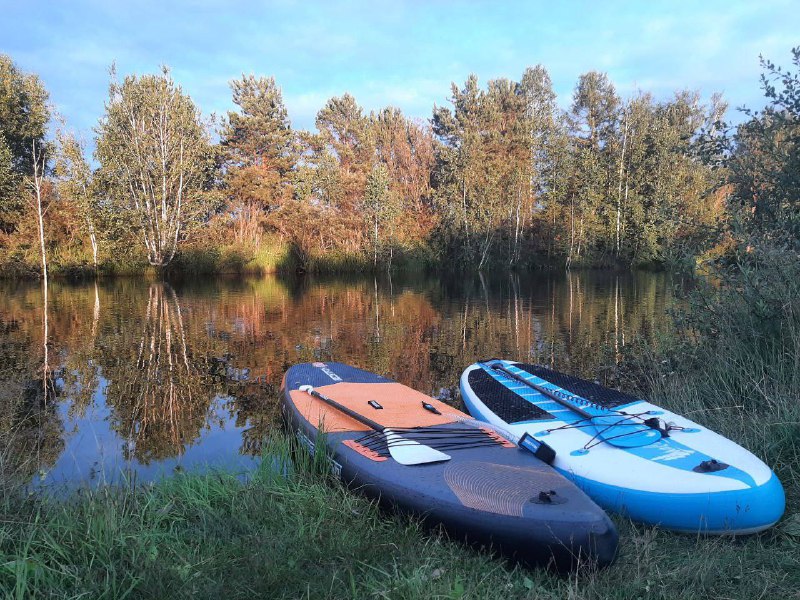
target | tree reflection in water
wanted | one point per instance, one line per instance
(31, 432)
(153, 373)
(160, 397)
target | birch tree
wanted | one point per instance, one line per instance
(594, 118)
(381, 208)
(35, 183)
(24, 114)
(153, 152)
(75, 184)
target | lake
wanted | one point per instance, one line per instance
(127, 378)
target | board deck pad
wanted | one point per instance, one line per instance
(503, 491)
(402, 406)
(489, 491)
(597, 394)
(505, 403)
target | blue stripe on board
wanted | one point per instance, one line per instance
(730, 511)
(666, 451)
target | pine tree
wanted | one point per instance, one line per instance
(259, 153)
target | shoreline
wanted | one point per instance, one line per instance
(301, 534)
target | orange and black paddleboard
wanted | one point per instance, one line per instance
(422, 456)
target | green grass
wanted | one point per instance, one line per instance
(295, 533)
(268, 257)
(272, 255)
(732, 362)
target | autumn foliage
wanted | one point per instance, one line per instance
(500, 176)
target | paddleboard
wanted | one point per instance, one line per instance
(632, 457)
(486, 490)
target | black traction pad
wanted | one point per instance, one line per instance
(503, 402)
(597, 394)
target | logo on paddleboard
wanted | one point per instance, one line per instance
(671, 453)
(324, 368)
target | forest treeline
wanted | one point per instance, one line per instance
(500, 176)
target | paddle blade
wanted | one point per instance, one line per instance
(621, 431)
(409, 452)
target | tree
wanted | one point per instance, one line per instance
(542, 124)
(406, 148)
(7, 178)
(75, 185)
(663, 190)
(35, 182)
(763, 162)
(594, 121)
(488, 165)
(24, 115)
(260, 153)
(459, 177)
(382, 209)
(153, 152)
(343, 131)
(261, 133)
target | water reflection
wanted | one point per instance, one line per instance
(132, 376)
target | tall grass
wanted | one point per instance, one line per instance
(733, 361)
(290, 531)
(270, 255)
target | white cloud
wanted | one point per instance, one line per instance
(396, 53)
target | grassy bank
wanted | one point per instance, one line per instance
(731, 359)
(268, 257)
(273, 256)
(296, 534)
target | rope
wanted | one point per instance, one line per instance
(596, 440)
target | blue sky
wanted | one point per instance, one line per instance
(401, 53)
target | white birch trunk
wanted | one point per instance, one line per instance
(36, 184)
(619, 186)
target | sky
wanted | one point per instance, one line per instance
(399, 53)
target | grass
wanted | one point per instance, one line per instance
(272, 255)
(296, 533)
(414, 259)
(733, 361)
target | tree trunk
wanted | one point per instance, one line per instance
(485, 253)
(466, 222)
(375, 257)
(38, 178)
(625, 199)
(515, 253)
(619, 186)
(40, 216)
(93, 239)
(571, 230)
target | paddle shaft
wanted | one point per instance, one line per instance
(404, 451)
(350, 413)
(544, 392)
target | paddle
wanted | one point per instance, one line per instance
(612, 427)
(527, 442)
(403, 450)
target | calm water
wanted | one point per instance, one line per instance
(138, 378)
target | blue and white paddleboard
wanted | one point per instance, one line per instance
(632, 457)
